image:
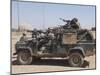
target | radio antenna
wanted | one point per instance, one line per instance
(43, 16)
(18, 15)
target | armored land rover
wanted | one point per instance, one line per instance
(65, 42)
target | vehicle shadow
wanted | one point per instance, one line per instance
(53, 62)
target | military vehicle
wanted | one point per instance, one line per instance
(73, 44)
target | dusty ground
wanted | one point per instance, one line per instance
(46, 65)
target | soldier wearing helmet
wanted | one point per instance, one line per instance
(74, 23)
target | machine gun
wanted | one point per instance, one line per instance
(67, 21)
(71, 24)
(67, 25)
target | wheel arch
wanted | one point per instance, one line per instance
(77, 49)
(25, 48)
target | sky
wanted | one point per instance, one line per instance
(44, 15)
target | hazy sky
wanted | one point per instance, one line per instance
(43, 15)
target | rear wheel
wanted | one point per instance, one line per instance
(76, 59)
(24, 58)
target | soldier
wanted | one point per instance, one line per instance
(23, 38)
(51, 34)
(59, 36)
(34, 33)
(51, 38)
(74, 23)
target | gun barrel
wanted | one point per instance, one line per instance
(61, 19)
(30, 31)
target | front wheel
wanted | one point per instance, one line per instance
(76, 59)
(24, 58)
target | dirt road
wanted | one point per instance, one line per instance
(47, 65)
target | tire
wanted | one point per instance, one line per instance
(76, 59)
(24, 58)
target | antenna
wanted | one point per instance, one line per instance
(18, 15)
(43, 16)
